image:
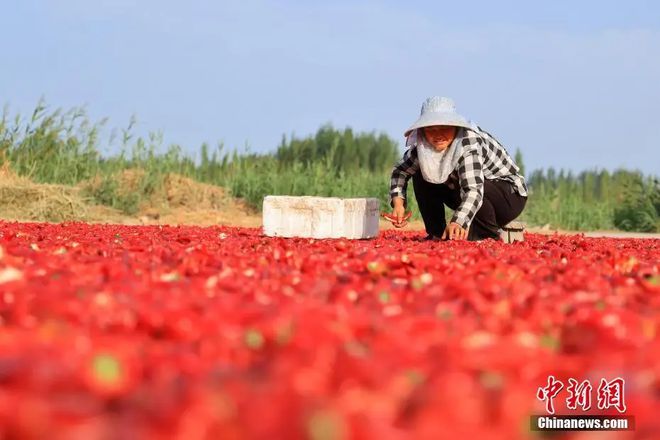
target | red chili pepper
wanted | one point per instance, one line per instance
(193, 332)
(393, 219)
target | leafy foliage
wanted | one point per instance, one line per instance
(640, 209)
(594, 200)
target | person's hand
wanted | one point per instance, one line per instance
(454, 231)
(399, 213)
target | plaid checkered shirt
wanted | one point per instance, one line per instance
(483, 157)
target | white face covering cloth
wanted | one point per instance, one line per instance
(436, 166)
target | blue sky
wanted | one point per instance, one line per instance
(572, 84)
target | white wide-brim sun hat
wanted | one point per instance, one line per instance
(438, 110)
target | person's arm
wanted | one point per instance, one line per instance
(471, 182)
(401, 173)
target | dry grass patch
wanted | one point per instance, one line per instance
(23, 200)
(130, 196)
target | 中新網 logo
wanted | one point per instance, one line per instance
(610, 394)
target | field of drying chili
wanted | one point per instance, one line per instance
(117, 332)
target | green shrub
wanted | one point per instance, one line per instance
(640, 209)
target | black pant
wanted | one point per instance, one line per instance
(501, 205)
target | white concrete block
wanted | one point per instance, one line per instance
(320, 217)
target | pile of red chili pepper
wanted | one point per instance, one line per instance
(110, 331)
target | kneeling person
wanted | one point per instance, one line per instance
(455, 163)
